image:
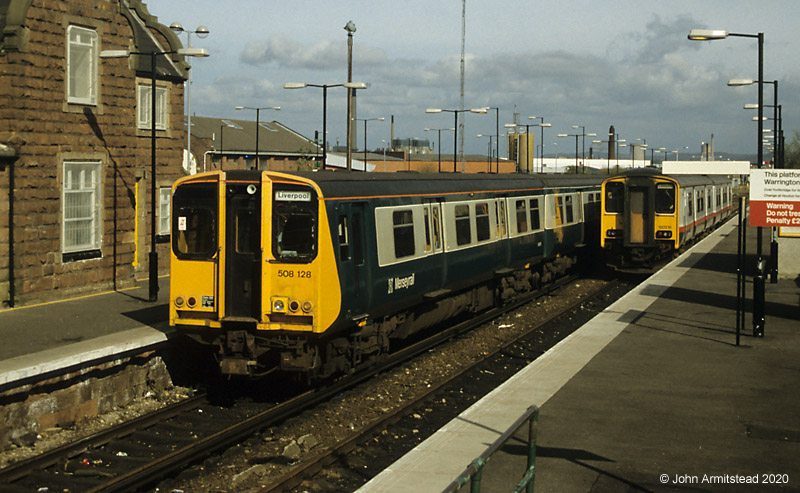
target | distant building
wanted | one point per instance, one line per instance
(75, 145)
(224, 143)
(412, 146)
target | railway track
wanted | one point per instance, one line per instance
(138, 454)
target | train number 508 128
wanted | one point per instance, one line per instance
(301, 274)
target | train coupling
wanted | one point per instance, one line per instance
(237, 366)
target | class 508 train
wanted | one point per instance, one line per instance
(648, 217)
(316, 273)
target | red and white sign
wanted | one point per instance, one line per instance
(775, 198)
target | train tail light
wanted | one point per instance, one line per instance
(613, 233)
(663, 235)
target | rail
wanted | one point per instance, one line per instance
(473, 474)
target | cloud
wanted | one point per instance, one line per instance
(324, 55)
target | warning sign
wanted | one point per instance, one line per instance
(775, 198)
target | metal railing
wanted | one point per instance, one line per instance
(473, 474)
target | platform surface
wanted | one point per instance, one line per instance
(650, 395)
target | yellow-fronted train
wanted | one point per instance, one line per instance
(317, 273)
(648, 217)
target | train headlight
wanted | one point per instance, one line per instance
(307, 307)
(294, 306)
(664, 234)
(179, 301)
(279, 304)
(613, 233)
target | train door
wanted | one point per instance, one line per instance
(243, 250)
(355, 273)
(639, 217)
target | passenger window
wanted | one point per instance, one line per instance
(615, 196)
(665, 198)
(501, 218)
(570, 217)
(463, 230)
(482, 227)
(522, 217)
(535, 217)
(437, 241)
(427, 230)
(344, 239)
(403, 233)
(559, 202)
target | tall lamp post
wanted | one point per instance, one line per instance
(348, 85)
(194, 52)
(202, 33)
(365, 120)
(576, 147)
(497, 142)
(542, 125)
(455, 113)
(258, 125)
(439, 131)
(583, 134)
(489, 155)
(758, 281)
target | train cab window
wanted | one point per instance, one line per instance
(536, 220)
(665, 198)
(403, 222)
(522, 217)
(294, 226)
(344, 239)
(615, 197)
(194, 221)
(482, 226)
(463, 229)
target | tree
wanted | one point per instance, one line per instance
(792, 152)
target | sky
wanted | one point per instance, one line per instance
(626, 63)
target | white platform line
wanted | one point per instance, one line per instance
(437, 461)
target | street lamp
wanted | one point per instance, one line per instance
(541, 125)
(455, 113)
(489, 154)
(497, 142)
(365, 120)
(194, 52)
(350, 27)
(202, 33)
(439, 131)
(348, 85)
(583, 145)
(258, 125)
(758, 281)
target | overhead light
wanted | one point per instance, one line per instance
(707, 34)
(741, 82)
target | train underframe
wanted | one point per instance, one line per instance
(242, 351)
(637, 257)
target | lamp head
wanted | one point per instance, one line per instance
(707, 34)
(294, 85)
(202, 32)
(433, 110)
(195, 52)
(177, 27)
(355, 85)
(741, 82)
(350, 27)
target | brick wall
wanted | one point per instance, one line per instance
(33, 109)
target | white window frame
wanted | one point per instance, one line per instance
(80, 53)
(164, 210)
(75, 184)
(145, 106)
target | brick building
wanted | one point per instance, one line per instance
(75, 145)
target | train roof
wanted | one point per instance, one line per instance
(682, 180)
(360, 184)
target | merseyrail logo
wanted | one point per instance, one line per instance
(400, 283)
